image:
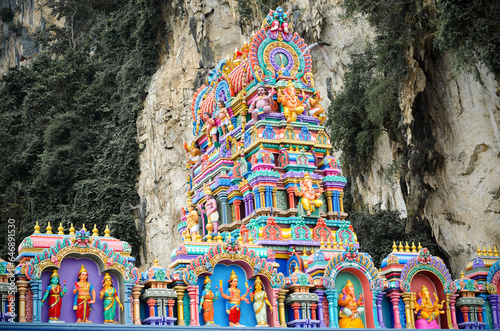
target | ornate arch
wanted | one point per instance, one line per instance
(426, 262)
(80, 245)
(493, 278)
(231, 251)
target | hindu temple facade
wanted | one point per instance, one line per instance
(265, 240)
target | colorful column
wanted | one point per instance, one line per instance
(127, 303)
(257, 198)
(262, 192)
(453, 300)
(394, 296)
(170, 304)
(410, 320)
(275, 322)
(494, 302)
(291, 194)
(380, 315)
(22, 287)
(193, 300)
(329, 195)
(321, 296)
(223, 199)
(332, 297)
(341, 195)
(136, 293)
(151, 304)
(281, 300)
(237, 204)
(250, 203)
(275, 189)
(180, 304)
(36, 288)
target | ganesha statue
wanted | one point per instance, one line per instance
(427, 311)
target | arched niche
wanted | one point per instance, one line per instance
(68, 271)
(434, 285)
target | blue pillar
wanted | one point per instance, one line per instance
(257, 197)
(269, 196)
(36, 288)
(127, 303)
(332, 297)
(375, 314)
(223, 199)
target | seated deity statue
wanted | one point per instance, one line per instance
(427, 312)
(351, 308)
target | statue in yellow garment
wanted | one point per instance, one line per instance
(352, 308)
(427, 312)
(309, 196)
(291, 103)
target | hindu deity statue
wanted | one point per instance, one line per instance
(85, 298)
(291, 103)
(309, 196)
(207, 301)
(211, 128)
(211, 210)
(352, 308)
(225, 118)
(192, 219)
(315, 108)
(55, 293)
(259, 299)
(109, 298)
(262, 103)
(234, 299)
(427, 312)
(280, 20)
(194, 156)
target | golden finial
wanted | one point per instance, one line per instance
(95, 232)
(209, 237)
(322, 244)
(250, 240)
(83, 227)
(462, 274)
(71, 230)
(106, 231)
(495, 252)
(328, 243)
(240, 239)
(335, 243)
(198, 237)
(484, 250)
(407, 247)
(490, 252)
(419, 247)
(304, 251)
(219, 238)
(49, 229)
(187, 236)
(312, 250)
(37, 228)
(413, 247)
(60, 229)
(155, 263)
(478, 250)
(401, 248)
(394, 247)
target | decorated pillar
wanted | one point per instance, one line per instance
(170, 304)
(180, 304)
(237, 204)
(314, 306)
(22, 287)
(296, 307)
(281, 300)
(329, 195)
(193, 300)
(494, 302)
(291, 194)
(246, 206)
(448, 310)
(410, 318)
(36, 288)
(223, 199)
(394, 296)
(453, 299)
(380, 314)
(128, 303)
(341, 195)
(321, 295)
(262, 190)
(151, 304)
(257, 198)
(275, 189)
(274, 303)
(332, 297)
(136, 293)
(250, 203)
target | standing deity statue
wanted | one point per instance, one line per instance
(211, 210)
(194, 156)
(55, 294)
(309, 196)
(352, 308)
(259, 299)
(85, 298)
(110, 296)
(262, 103)
(192, 219)
(207, 301)
(291, 103)
(211, 128)
(315, 108)
(234, 299)
(225, 118)
(427, 312)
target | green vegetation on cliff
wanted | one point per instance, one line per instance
(68, 121)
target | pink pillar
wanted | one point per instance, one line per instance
(394, 296)
(275, 322)
(193, 296)
(453, 299)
